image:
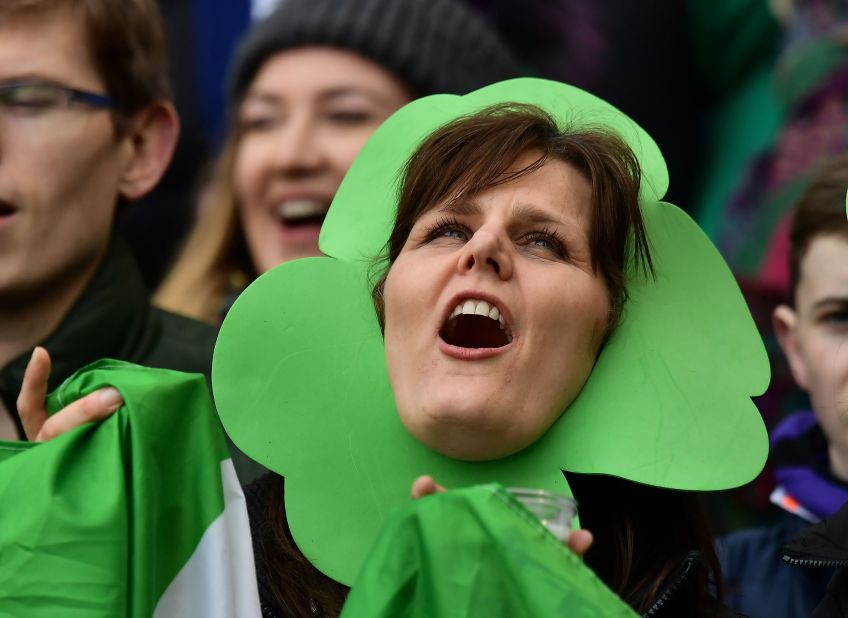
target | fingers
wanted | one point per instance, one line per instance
(38, 426)
(93, 407)
(33, 390)
(424, 486)
(579, 541)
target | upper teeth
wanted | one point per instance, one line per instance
(301, 208)
(470, 306)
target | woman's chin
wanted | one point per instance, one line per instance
(467, 441)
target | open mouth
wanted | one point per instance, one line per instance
(7, 213)
(302, 212)
(475, 324)
(6, 209)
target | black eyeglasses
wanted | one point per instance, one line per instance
(36, 96)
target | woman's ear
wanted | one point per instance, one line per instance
(785, 322)
(151, 138)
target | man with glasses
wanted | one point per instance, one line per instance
(85, 125)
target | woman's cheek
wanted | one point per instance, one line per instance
(247, 172)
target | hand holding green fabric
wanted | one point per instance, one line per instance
(493, 560)
(32, 403)
(111, 518)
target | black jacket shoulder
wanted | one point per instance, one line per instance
(825, 545)
(177, 342)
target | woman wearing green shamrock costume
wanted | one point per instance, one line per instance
(535, 309)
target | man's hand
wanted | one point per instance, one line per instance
(579, 541)
(40, 427)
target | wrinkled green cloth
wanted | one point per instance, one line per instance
(99, 521)
(475, 552)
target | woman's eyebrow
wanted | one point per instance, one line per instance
(261, 97)
(533, 214)
(460, 207)
(341, 92)
(529, 213)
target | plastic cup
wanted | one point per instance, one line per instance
(554, 510)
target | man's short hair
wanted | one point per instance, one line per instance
(126, 44)
(820, 211)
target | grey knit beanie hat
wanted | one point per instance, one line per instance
(433, 46)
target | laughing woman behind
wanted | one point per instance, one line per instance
(309, 85)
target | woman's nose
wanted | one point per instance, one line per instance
(298, 149)
(486, 250)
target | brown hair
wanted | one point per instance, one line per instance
(820, 211)
(215, 258)
(300, 589)
(643, 536)
(127, 46)
(473, 153)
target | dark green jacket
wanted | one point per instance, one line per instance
(114, 319)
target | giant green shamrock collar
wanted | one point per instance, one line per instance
(301, 384)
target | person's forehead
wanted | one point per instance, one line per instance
(824, 267)
(48, 44)
(317, 69)
(554, 191)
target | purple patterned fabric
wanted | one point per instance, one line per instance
(793, 426)
(801, 468)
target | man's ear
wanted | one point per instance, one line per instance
(785, 322)
(151, 138)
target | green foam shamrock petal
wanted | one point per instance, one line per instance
(301, 384)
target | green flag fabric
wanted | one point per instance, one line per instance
(475, 552)
(138, 515)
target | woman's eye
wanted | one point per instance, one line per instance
(545, 242)
(258, 123)
(350, 117)
(447, 230)
(452, 232)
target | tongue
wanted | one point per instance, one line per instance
(474, 331)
